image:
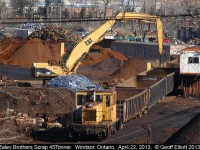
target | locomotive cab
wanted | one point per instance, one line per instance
(98, 112)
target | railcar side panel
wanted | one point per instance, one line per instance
(170, 83)
(133, 106)
(156, 92)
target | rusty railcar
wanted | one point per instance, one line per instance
(159, 81)
(132, 102)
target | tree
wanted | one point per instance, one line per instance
(20, 6)
(106, 2)
(47, 8)
(82, 12)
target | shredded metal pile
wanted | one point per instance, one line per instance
(74, 83)
(55, 34)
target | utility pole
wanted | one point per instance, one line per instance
(133, 5)
(31, 9)
(60, 13)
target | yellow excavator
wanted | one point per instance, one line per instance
(48, 70)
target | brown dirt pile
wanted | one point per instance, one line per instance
(7, 48)
(24, 53)
(131, 68)
(110, 64)
(40, 46)
(37, 100)
(98, 54)
(22, 109)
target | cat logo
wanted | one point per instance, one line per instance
(88, 42)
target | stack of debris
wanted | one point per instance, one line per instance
(5, 82)
(111, 82)
(55, 34)
(32, 100)
(74, 83)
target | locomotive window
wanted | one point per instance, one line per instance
(193, 60)
(80, 99)
(89, 98)
(99, 98)
(107, 101)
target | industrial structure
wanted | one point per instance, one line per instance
(190, 69)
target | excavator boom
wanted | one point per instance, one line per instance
(99, 34)
(83, 47)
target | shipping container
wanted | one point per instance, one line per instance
(16, 32)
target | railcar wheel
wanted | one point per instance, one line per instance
(139, 115)
(145, 112)
(119, 125)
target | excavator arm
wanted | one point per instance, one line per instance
(83, 47)
(46, 70)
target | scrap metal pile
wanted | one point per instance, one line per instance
(55, 34)
(74, 83)
(5, 82)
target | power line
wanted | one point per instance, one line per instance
(57, 20)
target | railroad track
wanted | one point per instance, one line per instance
(139, 134)
(127, 136)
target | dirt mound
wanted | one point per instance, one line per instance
(37, 100)
(26, 52)
(110, 64)
(98, 54)
(189, 134)
(131, 68)
(7, 48)
(40, 46)
(22, 109)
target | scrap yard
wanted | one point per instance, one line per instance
(58, 86)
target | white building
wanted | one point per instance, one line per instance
(189, 61)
